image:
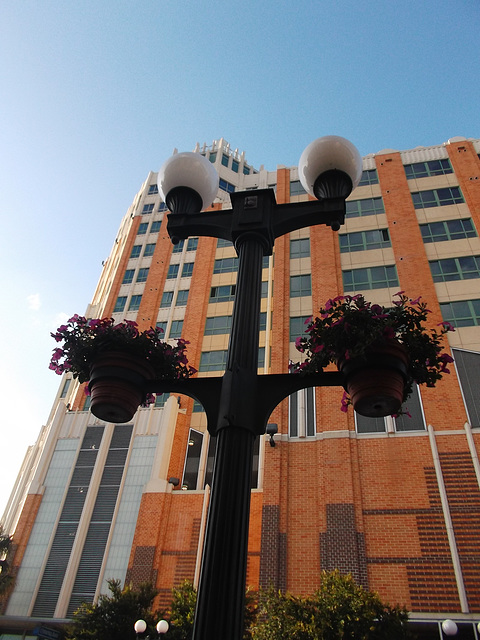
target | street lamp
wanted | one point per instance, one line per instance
(140, 627)
(449, 627)
(239, 403)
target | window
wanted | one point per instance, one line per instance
(370, 278)
(192, 244)
(160, 399)
(135, 303)
(217, 325)
(192, 460)
(172, 271)
(128, 277)
(221, 242)
(120, 304)
(300, 286)
(437, 197)
(65, 388)
(155, 228)
(464, 313)
(176, 329)
(300, 248)
(223, 293)
(149, 249)
(264, 293)
(427, 169)
(235, 165)
(226, 186)
(297, 327)
(142, 274)
(162, 207)
(147, 208)
(213, 360)
(413, 422)
(213, 156)
(263, 320)
(225, 265)
(296, 188)
(152, 190)
(246, 170)
(369, 176)
(163, 327)
(212, 445)
(448, 230)
(464, 268)
(136, 249)
(364, 240)
(142, 228)
(468, 369)
(167, 298)
(301, 413)
(197, 407)
(178, 248)
(182, 297)
(261, 357)
(224, 160)
(365, 207)
(187, 269)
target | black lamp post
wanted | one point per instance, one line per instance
(239, 403)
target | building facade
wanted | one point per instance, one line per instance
(396, 502)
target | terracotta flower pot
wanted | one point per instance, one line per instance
(117, 386)
(376, 382)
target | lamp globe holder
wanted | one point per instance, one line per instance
(330, 167)
(162, 627)
(449, 627)
(140, 626)
(187, 182)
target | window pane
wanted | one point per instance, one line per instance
(120, 304)
(172, 271)
(128, 277)
(182, 297)
(142, 274)
(192, 461)
(415, 421)
(300, 286)
(149, 249)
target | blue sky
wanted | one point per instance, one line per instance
(95, 94)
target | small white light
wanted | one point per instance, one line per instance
(449, 627)
(189, 170)
(140, 626)
(325, 154)
(162, 626)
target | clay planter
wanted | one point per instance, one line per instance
(117, 386)
(375, 382)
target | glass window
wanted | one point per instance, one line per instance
(136, 249)
(162, 207)
(225, 265)
(224, 160)
(142, 274)
(427, 169)
(176, 329)
(155, 228)
(161, 398)
(300, 248)
(172, 271)
(437, 197)
(370, 278)
(197, 407)
(148, 208)
(364, 240)
(296, 188)
(222, 293)
(142, 228)
(66, 384)
(463, 313)
(213, 360)
(235, 166)
(213, 156)
(464, 268)
(212, 445)
(120, 304)
(300, 286)
(412, 420)
(152, 190)
(167, 298)
(192, 244)
(264, 293)
(246, 170)
(369, 176)
(135, 303)
(187, 269)
(301, 413)
(297, 327)
(217, 325)
(178, 248)
(128, 277)
(263, 320)
(448, 230)
(226, 186)
(192, 460)
(468, 369)
(182, 297)
(149, 250)
(221, 242)
(163, 327)
(365, 207)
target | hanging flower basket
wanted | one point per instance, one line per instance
(117, 361)
(370, 343)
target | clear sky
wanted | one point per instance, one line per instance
(97, 93)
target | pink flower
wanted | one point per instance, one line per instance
(388, 333)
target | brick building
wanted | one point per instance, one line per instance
(396, 502)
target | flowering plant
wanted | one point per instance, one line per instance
(84, 340)
(349, 325)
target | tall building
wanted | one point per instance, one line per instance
(396, 502)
